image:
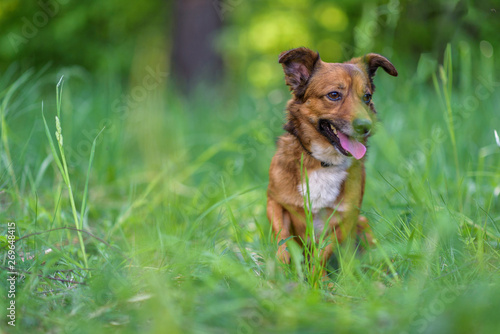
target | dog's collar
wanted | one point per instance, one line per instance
(325, 164)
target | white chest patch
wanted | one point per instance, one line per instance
(324, 186)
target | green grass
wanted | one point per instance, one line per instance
(173, 236)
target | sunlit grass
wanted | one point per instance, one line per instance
(176, 235)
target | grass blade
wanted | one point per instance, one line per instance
(85, 191)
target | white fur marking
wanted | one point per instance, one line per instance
(324, 186)
(325, 183)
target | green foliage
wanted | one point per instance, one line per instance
(157, 224)
(116, 37)
(95, 35)
(402, 30)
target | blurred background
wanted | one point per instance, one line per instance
(186, 99)
(235, 41)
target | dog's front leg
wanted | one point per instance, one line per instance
(280, 221)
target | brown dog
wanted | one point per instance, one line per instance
(330, 118)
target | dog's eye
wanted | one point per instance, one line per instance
(334, 96)
(367, 98)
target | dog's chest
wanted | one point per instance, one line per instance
(324, 186)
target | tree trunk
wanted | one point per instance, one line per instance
(194, 59)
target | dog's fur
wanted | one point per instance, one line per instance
(327, 99)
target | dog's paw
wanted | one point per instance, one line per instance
(364, 232)
(283, 254)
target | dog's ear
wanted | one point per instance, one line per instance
(373, 61)
(298, 65)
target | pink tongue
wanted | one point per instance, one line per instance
(352, 146)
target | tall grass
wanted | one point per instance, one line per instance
(172, 223)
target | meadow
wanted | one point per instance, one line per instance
(146, 213)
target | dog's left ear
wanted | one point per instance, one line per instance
(373, 61)
(298, 65)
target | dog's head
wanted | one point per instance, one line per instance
(334, 99)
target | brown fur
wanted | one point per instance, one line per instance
(311, 80)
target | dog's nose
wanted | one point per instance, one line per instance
(362, 126)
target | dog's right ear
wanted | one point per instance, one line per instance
(374, 61)
(298, 65)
